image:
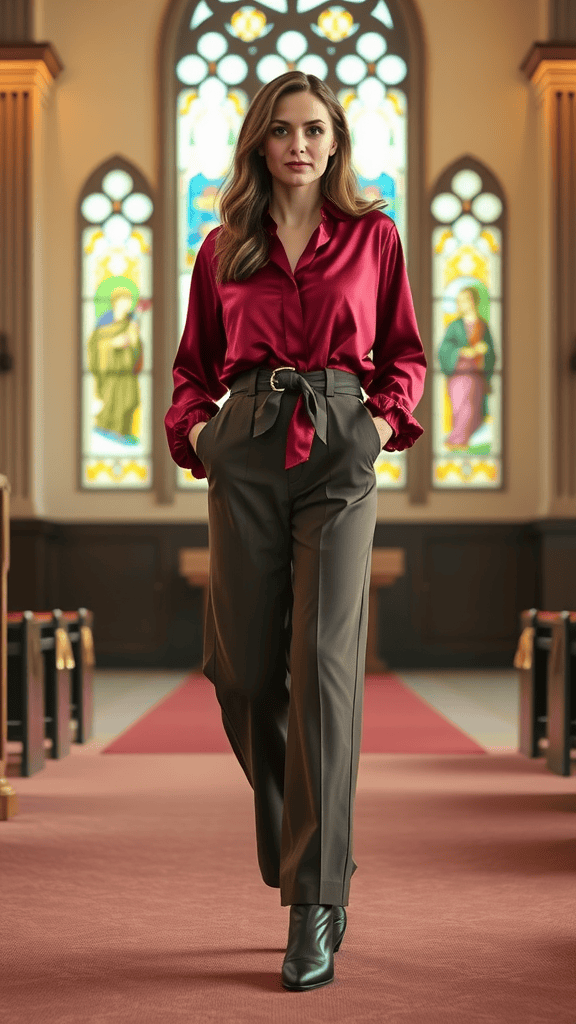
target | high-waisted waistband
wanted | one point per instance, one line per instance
(315, 385)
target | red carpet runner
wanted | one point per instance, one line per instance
(396, 721)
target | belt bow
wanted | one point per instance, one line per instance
(286, 378)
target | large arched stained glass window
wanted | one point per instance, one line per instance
(115, 216)
(468, 241)
(227, 50)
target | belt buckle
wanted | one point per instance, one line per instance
(272, 384)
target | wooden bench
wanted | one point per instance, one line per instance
(81, 632)
(8, 796)
(388, 564)
(531, 660)
(561, 685)
(546, 661)
(26, 696)
(58, 662)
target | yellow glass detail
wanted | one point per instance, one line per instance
(465, 260)
(388, 469)
(137, 422)
(144, 247)
(335, 23)
(238, 102)
(489, 237)
(92, 472)
(439, 247)
(347, 97)
(480, 469)
(187, 100)
(94, 237)
(248, 23)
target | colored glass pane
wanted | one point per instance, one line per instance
(467, 335)
(116, 333)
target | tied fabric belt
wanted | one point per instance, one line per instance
(314, 386)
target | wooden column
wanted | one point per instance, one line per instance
(551, 67)
(27, 72)
(8, 797)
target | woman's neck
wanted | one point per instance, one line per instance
(295, 208)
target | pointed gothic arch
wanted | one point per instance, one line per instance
(211, 39)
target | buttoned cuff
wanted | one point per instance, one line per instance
(405, 426)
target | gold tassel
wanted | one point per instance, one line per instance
(64, 655)
(88, 645)
(523, 656)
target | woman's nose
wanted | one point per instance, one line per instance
(299, 142)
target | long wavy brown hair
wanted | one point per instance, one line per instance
(243, 242)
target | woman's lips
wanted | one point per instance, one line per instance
(297, 163)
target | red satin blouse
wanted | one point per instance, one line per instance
(348, 296)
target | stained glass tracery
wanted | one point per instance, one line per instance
(227, 50)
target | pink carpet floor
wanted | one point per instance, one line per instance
(395, 721)
(131, 895)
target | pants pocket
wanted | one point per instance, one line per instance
(200, 439)
(373, 430)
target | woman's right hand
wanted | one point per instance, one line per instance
(196, 429)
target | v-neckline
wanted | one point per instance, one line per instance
(308, 241)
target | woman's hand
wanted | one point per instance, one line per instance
(383, 428)
(193, 435)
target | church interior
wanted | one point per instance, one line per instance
(130, 887)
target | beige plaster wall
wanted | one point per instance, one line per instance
(104, 103)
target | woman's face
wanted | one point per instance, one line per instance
(465, 303)
(121, 306)
(296, 140)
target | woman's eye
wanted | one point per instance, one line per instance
(314, 128)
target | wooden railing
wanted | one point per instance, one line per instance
(8, 797)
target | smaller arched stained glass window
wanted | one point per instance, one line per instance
(115, 242)
(468, 237)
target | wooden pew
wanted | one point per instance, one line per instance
(81, 632)
(58, 661)
(561, 685)
(58, 665)
(531, 660)
(8, 796)
(26, 697)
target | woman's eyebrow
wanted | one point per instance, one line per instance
(317, 120)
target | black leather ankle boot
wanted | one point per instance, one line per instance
(309, 960)
(339, 915)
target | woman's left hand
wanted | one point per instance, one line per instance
(383, 428)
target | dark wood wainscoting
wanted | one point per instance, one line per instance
(457, 606)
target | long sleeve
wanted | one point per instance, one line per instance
(198, 364)
(398, 356)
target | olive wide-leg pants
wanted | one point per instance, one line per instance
(286, 628)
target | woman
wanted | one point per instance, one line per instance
(288, 296)
(467, 357)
